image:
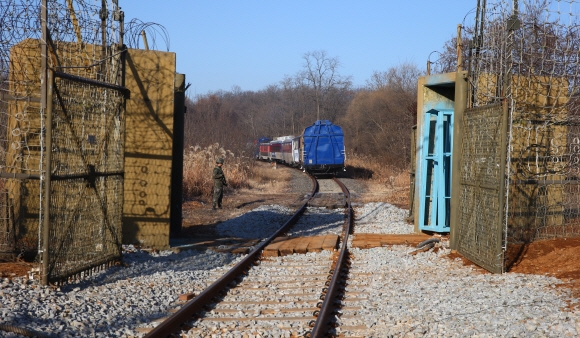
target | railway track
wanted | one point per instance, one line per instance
(353, 319)
(288, 296)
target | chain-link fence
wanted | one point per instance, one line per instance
(69, 52)
(525, 55)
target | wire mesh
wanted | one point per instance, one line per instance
(82, 40)
(87, 176)
(480, 180)
(526, 54)
(19, 126)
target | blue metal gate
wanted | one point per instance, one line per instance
(436, 171)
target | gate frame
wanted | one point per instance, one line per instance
(480, 238)
(47, 177)
(461, 85)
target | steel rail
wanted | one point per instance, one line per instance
(322, 324)
(196, 305)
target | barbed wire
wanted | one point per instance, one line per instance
(153, 31)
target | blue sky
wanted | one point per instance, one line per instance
(255, 43)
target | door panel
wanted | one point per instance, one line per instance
(436, 173)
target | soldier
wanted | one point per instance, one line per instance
(219, 181)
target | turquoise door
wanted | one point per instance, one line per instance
(436, 171)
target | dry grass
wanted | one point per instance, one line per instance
(268, 178)
(382, 178)
(198, 164)
(388, 182)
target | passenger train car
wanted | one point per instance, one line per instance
(320, 149)
(285, 149)
(262, 150)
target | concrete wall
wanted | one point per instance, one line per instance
(23, 144)
(148, 147)
(150, 77)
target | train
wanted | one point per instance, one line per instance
(319, 150)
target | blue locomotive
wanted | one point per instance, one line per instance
(323, 147)
(320, 149)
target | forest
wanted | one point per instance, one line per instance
(377, 119)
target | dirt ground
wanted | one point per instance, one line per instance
(558, 258)
(199, 219)
(9, 270)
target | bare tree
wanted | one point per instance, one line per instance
(447, 61)
(380, 117)
(403, 78)
(236, 117)
(321, 74)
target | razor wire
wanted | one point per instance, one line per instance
(137, 31)
(526, 55)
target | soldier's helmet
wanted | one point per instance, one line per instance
(220, 160)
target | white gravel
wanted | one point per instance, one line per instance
(428, 295)
(411, 296)
(381, 218)
(114, 302)
(261, 222)
(318, 221)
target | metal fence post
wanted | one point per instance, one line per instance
(507, 105)
(47, 174)
(175, 216)
(43, 107)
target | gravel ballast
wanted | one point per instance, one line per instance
(381, 218)
(429, 295)
(114, 302)
(426, 294)
(269, 282)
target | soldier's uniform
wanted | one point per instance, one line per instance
(219, 181)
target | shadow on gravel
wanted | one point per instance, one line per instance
(321, 223)
(249, 203)
(325, 176)
(256, 224)
(143, 264)
(356, 172)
